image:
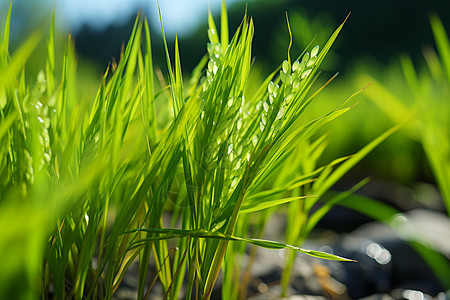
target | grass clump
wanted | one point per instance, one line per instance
(86, 182)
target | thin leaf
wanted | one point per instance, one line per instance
(177, 233)
(253, 206)
(224, 39)
(442, 42)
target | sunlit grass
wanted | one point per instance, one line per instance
(85, 183)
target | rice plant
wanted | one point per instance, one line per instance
(86, 182)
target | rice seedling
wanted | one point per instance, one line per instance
(86, 182)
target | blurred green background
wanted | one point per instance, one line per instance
(376, 31)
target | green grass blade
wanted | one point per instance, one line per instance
(175, 79)
(5, 41)
(150, 90)
(177, 85)
(224, 39)
(437, 149)
(410, 74)
(212, 30)
(50, 64)
(442, 42)
(177, 233)
(254, 206)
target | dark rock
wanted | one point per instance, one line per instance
(386, 261)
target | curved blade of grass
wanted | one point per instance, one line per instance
(296, 183)
(200, 233)
(254, 205)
